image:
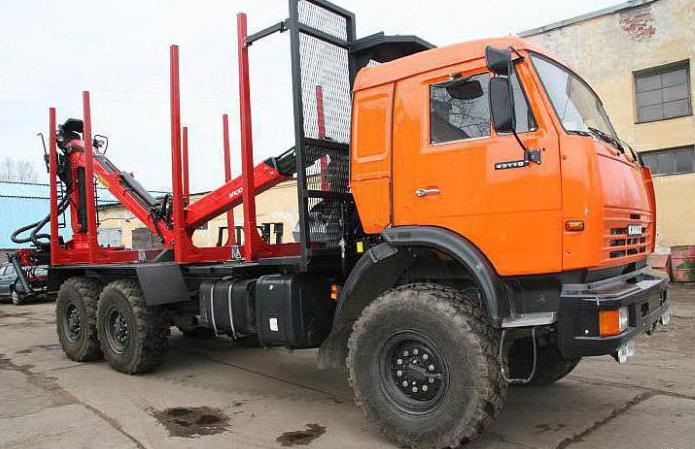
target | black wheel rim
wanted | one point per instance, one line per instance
(117, 329)
(413, 372)
(73, 323)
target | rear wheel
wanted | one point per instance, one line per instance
(133, 336)
(550, 365)
(424, 366)
(76, 318)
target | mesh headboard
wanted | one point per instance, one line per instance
(322, 73)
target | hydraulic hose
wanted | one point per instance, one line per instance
(34, 237)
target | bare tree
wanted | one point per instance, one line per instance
(17, 170)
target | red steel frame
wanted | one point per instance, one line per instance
(186, 218)
(231, 234)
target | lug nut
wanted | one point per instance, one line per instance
(415, 351)
(424, 388)
(425, 357)
(431, 380)
(405, 383)
(414, 389)
(399, 373)
(431, 367)
(399, 361)
(405, 353)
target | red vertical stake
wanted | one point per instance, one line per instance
(177, 196)
(89, 178)
(321, 122)
(53, 182)
(231, 237)
(186, 179)
(251, 239)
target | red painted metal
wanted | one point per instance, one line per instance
(177, 196)
(251, 238)
(90, 202)
(230, 195)
(231, 237)
(83, 248)
(53, 175)
(321, 122)
(186, 181)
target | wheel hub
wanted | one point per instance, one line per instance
(73, 323)
(414, 372)
(117, 330)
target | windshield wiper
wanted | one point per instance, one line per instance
(608, 138)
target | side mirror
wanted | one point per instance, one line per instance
(498, 61)
(502, 105)
(465, 90)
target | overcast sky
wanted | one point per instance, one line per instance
(51, 50)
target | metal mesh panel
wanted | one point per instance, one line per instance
(324, 71)
(326, 221)
(326, 66)
(330, 170)
(322, 19)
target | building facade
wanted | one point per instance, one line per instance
(638, 56)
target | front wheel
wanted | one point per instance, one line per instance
(18, 298)
(133, 336)
(424, 366)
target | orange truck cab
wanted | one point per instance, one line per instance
(492, 161)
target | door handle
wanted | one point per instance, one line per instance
(424, 192)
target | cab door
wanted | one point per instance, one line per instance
(449, 170)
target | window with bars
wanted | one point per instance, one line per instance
(663, 93)
(673, 161)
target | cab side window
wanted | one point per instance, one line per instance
(454, 119)
(525, 121)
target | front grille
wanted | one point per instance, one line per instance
(619, 245)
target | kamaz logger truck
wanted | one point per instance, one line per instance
(468, 218)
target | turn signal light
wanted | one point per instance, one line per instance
(613, 322)
(335, 290)
(574, 225)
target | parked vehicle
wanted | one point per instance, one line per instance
(468, 218)
(12, 287)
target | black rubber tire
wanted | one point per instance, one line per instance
(550, 366)
(198, 333)
(457, 327)
(148, 327)
(19, 299)
(83, 294)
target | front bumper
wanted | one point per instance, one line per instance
(644, 292)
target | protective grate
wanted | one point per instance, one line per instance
(324, 71)
(326, 220)
(330, 170)
(323, 20)
(325, 68)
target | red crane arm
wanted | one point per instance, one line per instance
(230, 195)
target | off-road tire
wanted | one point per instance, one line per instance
(550, 365)
(18, 299)
(457, 327)
(80, 295)
(146, 344)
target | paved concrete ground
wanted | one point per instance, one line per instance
(217, 394)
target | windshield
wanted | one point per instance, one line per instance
(577, 106)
